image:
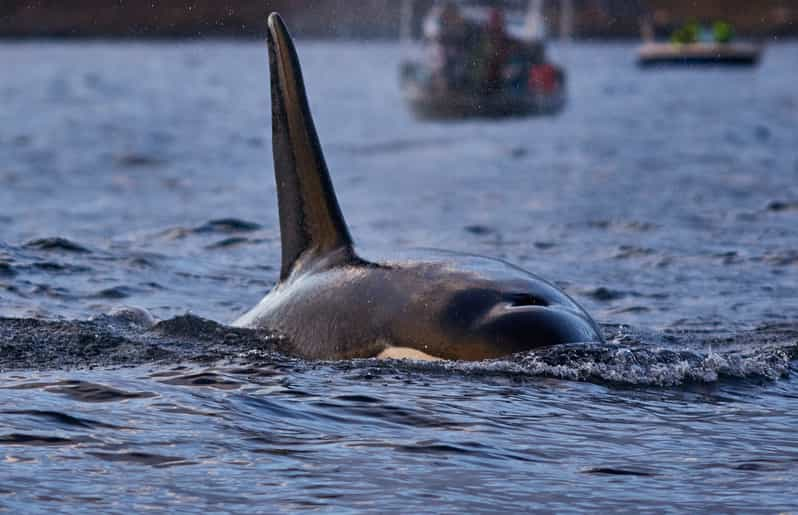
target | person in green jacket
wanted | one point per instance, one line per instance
(723, 32)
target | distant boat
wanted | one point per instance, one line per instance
(694, 44)
(445, 83)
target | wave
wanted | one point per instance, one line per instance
(629, 357)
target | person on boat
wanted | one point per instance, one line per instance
(705, 34)
(723, 32)
(687, 34)
(453, 45)
(519, 59)
(494, 50)
(662, 26)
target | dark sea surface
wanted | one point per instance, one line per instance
(138, 217)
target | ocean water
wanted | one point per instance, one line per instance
(138, 218)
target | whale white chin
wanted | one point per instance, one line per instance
(406, 353)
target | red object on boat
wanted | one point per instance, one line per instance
(543, 77)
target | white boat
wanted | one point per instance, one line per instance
(529, 84)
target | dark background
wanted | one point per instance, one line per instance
(348, 18)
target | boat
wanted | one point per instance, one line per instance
(695, 44)
(446, 81)
(729, 54)
(428, 101)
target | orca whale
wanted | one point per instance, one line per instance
(332, 304)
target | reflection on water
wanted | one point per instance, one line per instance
(140, 175)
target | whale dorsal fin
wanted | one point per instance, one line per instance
(311, 224)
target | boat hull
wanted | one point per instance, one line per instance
(698, 54)
(429, 102)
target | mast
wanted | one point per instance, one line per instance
(566, 20)
(535, 21)
(406, 23)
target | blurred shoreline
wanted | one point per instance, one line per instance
(350, 19)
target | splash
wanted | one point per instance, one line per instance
(629, 357)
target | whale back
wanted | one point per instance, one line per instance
(312, 226)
